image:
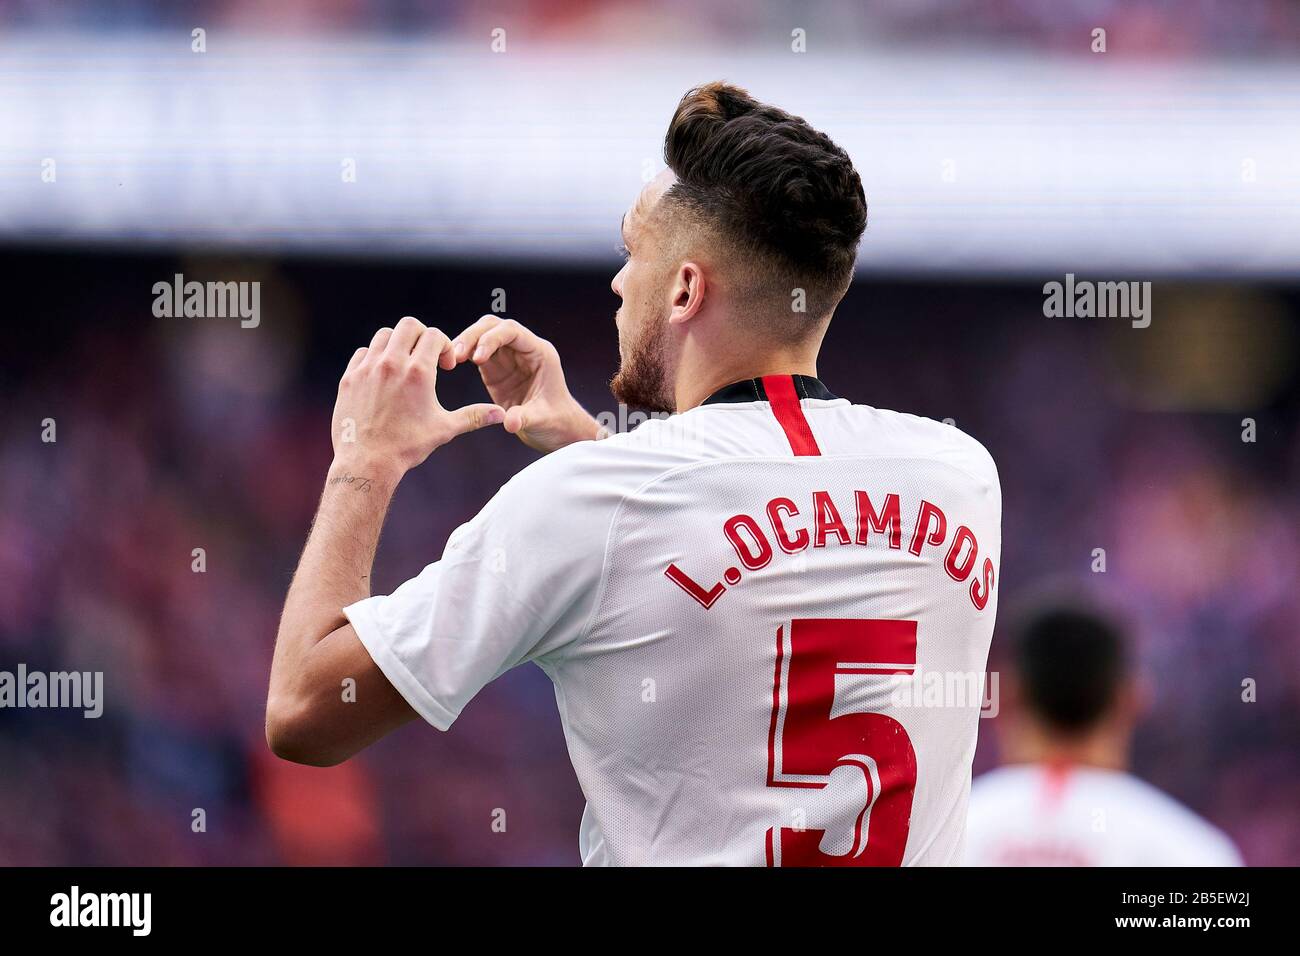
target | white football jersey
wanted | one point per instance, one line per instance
(767, 620)
(1039, 815)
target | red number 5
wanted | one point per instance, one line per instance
(861, 766)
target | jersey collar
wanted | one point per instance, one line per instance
(752, 390)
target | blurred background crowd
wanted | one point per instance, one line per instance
(176, 434)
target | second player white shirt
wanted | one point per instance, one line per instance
(767, 621)
(1039, 815)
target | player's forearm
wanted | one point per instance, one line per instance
(334, 570)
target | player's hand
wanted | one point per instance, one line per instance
(522, 374)
(387, 418)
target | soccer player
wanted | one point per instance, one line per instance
(728, 599)
(1065, 799)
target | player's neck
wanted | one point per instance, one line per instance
(694, 385)
(1102, 749)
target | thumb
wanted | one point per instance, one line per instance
(472, 417)
(516, 419)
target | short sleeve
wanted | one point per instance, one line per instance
(516, 583)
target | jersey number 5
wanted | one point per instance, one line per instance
(859, 768)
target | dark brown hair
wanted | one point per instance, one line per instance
(771, 185)
(1071, 663)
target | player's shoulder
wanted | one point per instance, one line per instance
(1172, 828)
(993, 787)
(904, 434)
(598, 473)
(999, 798)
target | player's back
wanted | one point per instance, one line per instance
(784, 656)
(767, 621)
(1058, 815)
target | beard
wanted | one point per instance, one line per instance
(642, 378)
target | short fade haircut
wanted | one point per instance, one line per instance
(781, 194)
(1071, 664)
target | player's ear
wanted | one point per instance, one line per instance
(688, 290)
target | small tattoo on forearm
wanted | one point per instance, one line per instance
(362, 484)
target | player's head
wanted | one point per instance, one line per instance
(1072, 680)
(754, 226)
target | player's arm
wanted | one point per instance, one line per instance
(388, 405)
(522, 374)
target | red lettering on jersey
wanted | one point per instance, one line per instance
(761, 552)
(980, 600)
(754, 548)
(923, 521)
(827, 520)
(684, 581)
(788, 545)
(887, 522)
(959, 572)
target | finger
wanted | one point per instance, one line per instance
(472, 417)
(516, 419)
(467, 340)
(434, 348)
(405, 335)
(380, 340)
(509, 333)
(357, 358)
